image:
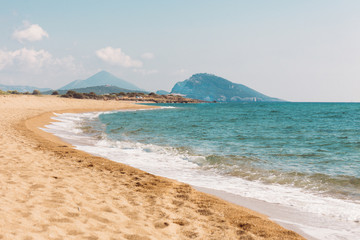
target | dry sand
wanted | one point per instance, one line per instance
(48, 190)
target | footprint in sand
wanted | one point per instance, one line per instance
(161, 224)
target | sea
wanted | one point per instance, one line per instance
(301, 157)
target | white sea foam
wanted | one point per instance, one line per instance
(168, 162)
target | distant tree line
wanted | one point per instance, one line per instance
(131, 96)
(35, 92)
(125, 96)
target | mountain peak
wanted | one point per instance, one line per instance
(102, 75)
(207, 77)
(102, 72)
(202, 74)
(209, 87)
(100, 79)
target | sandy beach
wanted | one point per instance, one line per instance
(48, 190)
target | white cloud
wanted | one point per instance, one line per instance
(33, 61)
(6, 59)
(147, 55)
(31, 33)
(116, 56)
(25, 58)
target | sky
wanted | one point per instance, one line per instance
(305, 50)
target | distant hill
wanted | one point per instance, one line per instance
(100, 79)
(21, 88)
(162, 92)
(209, 87)
(99, 90)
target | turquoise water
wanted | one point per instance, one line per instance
(301, 158)
(314, 146)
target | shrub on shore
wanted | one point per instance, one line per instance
(73, 94)
(131, 96)
(36, 92)
(13, 92)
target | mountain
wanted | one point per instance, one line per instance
(209, 87)
(21, 88)
(100, 79)
(162, 92)
(99, 90)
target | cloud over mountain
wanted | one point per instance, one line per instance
(115, 56)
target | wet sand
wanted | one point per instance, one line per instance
(48, 190)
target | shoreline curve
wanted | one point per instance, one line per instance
(102, 198)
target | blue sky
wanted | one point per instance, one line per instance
(294, 50)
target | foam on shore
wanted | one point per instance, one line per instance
(317, 216)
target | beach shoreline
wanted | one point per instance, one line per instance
(58, 191)
(282, 215)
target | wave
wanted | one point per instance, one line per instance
(339, 186)
(313, 193)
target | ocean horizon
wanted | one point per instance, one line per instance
(304, 156)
